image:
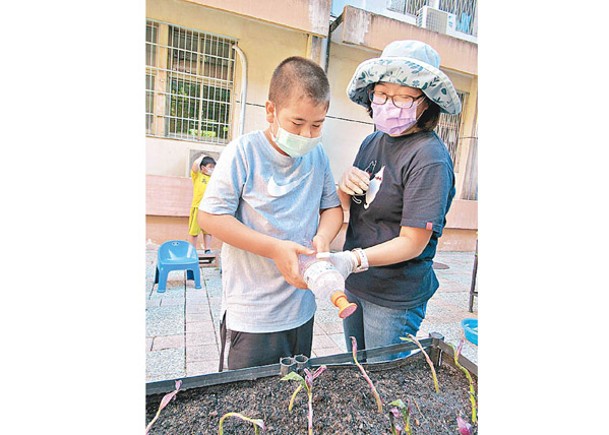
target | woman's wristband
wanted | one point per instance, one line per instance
(363, 260)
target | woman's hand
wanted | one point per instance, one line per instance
(345, 262)
(354, 181)
(285, 256)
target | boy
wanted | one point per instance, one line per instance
(200, 173)
(272, 192)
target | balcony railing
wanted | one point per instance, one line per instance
(464, 11)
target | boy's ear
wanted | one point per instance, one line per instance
(270, 111)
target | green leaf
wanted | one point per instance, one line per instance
(398, 403)
(292, 376)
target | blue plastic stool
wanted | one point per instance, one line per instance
(176, 255)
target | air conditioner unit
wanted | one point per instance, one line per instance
(436, 20)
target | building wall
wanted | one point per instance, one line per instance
(309, 16)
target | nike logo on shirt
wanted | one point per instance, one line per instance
(275, 189)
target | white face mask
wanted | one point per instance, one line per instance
(292, 144)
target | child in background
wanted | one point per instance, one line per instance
(200, 173)
(273, 191)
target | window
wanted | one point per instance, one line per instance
(149, 102)
(189, 84)
(409, 7)
(448, 129)
(151, 42)
(464, 11)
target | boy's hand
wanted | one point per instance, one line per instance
(354, 181)
(286, 260)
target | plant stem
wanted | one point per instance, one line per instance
(307, 384)
(420, 412)
(164, 402)
(255, 422)
(153, 420)
(375, 393)
(294, 397)
(403, 411)
(310, 412)
(433, 370)
(472, 392)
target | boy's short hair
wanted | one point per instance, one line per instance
(206, 161)
(299, 74)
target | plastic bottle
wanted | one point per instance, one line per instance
(326, 282)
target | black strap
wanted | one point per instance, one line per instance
(223, 340)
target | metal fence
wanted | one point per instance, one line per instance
(448, 129)
(189, 83)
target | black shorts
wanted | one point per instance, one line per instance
(258, 349)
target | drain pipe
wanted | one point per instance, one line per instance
(243, 60)
(331, 28)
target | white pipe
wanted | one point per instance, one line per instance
(243, 87)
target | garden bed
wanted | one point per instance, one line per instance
(342, 402)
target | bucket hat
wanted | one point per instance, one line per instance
(408, 63)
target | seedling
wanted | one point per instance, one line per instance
(464, 427)
(398, 411)
(375, 393)
(307, 384)
(433, 370)
(164, 402)
(258, 423)
(472, 391)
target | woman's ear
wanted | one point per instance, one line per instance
(423, 106)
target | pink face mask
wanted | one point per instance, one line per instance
(393, 120)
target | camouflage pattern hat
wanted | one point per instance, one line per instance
(407, 63)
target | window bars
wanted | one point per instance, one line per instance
(470, 183)
(464, 11)
(189, 83)
(448, 129)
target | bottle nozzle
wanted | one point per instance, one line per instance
(345, 308)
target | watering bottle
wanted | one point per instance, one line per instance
(326, 282)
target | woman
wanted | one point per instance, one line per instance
(398, 192)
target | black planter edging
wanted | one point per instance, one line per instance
(434, 346)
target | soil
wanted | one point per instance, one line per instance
(342, 403)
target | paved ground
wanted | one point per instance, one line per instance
(182, 324)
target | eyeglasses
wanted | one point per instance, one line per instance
(399, 101)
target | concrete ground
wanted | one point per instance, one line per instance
(182, 324)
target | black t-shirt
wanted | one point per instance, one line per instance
(412, 185)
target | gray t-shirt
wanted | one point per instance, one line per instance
(279, 196)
